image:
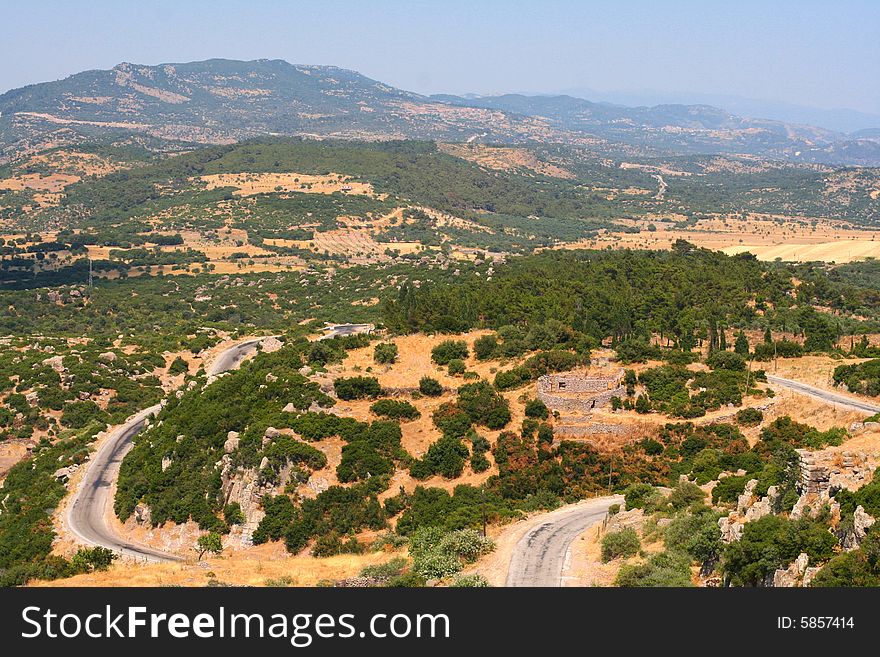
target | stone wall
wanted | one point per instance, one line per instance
(578, 383)
(582, 403)
(596, 429)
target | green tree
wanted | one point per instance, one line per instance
(210, 542)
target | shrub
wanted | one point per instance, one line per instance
(470, 581)
(685, 494)
(387, 570)
(87, 560)
(438, 554)
(77, 415)
(445, 457)
(385, 353)
(729, 489)
(178, 366)
(509, 379)
(232, 514)
(485, 347)
(636, 495)
(395, 409)
(456, 367)
(535, 408)
(357, 387)
(726, 360)
(449, 350)
(624, 543)
(430, 387)
(484, 405)
(749, 417)
(664, 569)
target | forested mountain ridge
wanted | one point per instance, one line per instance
(220, 101)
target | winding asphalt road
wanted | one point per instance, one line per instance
(825, 395)
(91, 504)
(541, 554)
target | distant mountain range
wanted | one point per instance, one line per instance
(839, 120)
(221, 101)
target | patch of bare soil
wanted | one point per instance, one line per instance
(258, 566)
(247, 184)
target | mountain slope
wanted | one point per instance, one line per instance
(222, 101)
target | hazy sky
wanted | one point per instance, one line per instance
(825, 54)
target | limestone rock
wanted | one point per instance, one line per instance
(56, 363)
(271, 378)
(290, 408)
(794, 574)
(862, 521)
(232, 440)
(107, 357)
(731, 529)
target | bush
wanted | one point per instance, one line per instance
(232, 514)
(685, 494)
(396, 410)
(430, 387)
(437, 554)
(87, 560)
(749, 417)
(449, 350)
(663, 569)
(624, 543)
(385, 353)
(178, 366)
(357, 387)
(535, 408)
(484, 405)
(456, 367)
(77, 415)
(729, 489)
(485, 347)
(509, 379)
(636, 495)
(726, 360)
(470, 581)
(445, 457)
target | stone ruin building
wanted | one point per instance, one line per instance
(579, 392)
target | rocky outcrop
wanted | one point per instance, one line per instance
(232, 441)
(794, 575)
(731, 528)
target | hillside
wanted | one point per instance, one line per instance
(221, 101)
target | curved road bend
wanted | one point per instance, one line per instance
(92, 503)
(540, 555)
(825, 395)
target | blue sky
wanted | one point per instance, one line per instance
(823, 54)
